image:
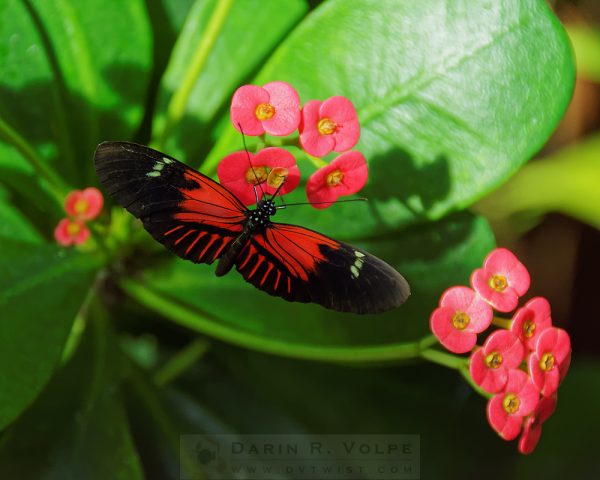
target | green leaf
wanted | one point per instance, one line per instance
(77, 428)
(42, 288)
(238, 49)
(72, 74)
(13, 224)
(432, 257)
(453, 97)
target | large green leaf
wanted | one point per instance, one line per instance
(77, 428)
(13, 224)
(432, 257)
(240, 46)
(42, 288)
(73, 73)
(453, 97)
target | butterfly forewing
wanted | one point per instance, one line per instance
(302, 265)
(189, 213)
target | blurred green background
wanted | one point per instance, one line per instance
(480, 122)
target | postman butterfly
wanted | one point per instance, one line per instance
(202, 221)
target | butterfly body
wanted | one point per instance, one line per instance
(202, 221)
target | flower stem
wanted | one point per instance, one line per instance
(442, 358)
(181, 361)
(502, 322)
(57, 187)
(178, 103)
(464, 371)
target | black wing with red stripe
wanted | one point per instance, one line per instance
(188, 212)
(301, 265)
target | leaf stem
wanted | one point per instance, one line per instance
(57, 187)
(202, 322)
(178, 103)
(181, 361)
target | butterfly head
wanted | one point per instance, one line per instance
(267, 206)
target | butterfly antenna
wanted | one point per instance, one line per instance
(262, 193)
(361, 199)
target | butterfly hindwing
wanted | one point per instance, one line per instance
(189, 213)
(302, 265)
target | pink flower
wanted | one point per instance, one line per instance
(346, 175)
(270, 166)
(71, 232)
(84, 204)
(532, 429)
(549, 363)
(273, 108)
(531, 320)
(490, 364)
(459, 318)
(505, 411)
(331, 125)
(502, 280)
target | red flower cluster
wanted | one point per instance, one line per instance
(323, 127)
(521, 366)
(81, 206)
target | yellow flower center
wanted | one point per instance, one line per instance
(494, 360)
(335, 178)
(326, 126)
(511, 403)
(264, 111)
(73, 228)
(528, 328)
(498, 283)
(547, 362)
(460, 320)
(277, 176)
(259, 175)
(81, 206)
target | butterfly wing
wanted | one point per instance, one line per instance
(189, 213)
(301, 265)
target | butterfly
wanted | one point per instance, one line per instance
(202, 221)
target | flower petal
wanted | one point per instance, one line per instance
(71, 200)
(504, 262)
(506, 344)
(492, 380)
(520, 384)
(273, 157)
(286, 101)
(457, 341)
(339, 109)
(465, 300)
(61, 234)
(532, 431)
(537, 312)
(507, 426)
(243, 109)
(546, 381)
(504, 301)
(555, 341)
(94, 200)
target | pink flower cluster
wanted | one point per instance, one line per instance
(521, 366)
(323, 127)
(81, 206)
